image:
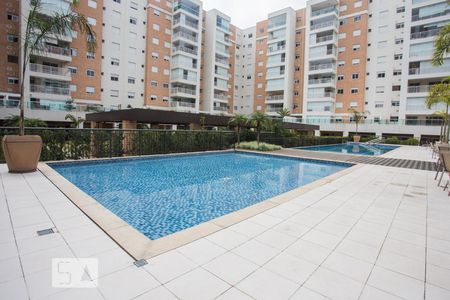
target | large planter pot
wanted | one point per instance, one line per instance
(22, 152)
(356, 138)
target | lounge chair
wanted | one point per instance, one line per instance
(445, 163)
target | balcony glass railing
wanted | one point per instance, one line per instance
(49, 70)
(181, 90)
(185, 50)
(415, 18)
(322, 39)
(322, 81)
(187, 8)
(185, 35)
(185, 22)
(220, 96)
(220, 108)
(321, 67)
(323, 11)
(324, 24)
(421, 53)
(182, 104)
(277, 24)
(57, 50)
(425, 34)
(418, 89)
(275, 98)
(34, 88)
(420, 71)
(322, 95)
(55, 106)
(271, 109)
(222, 61)
(277, 48)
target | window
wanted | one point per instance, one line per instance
(117, 1)
(379, 104)
(381, 59)
(168, 31)
(354, 91)
(357, 4)
(340, 77)
(341, 63)
(357, 18)
(133, 21)
(343, 8)
(357, 32)
(12, 38)
(399, 25)
(339, 105)
(155, 41)
(398, 56)
(73, 87)
(154, 69)
(400, 9)
(13, 80)
(382, 44)
(90, 89)
(355, 75)
(114, 93)
(131, 95)
(167, 45)
(153, 97)
(356, 47)
(379, 89)
(90, 73)
(72, 70)
(13, 17)
(353, 104)
(396, 88)
(156, 12)
(383, 28)
(397, 72)
(155, 55)
(342, 35)
(131, 80)
(340, 91)
(114, 62)
(395, 103)
(398, 41)
(114, 77)
(381, 75)
(133, 5)
(154, 83)
(73, 52)
(355, 61)
(92, 21)
(90, 55)
(13, 59)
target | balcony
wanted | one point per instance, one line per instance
(221, 97)
(57, 50)
(422, 53)
(182, 104)
(187, 8)
(180, 90)
(191, 78)
(324, 24)
(425, 34)
(331, 81)
(273, 109)
(321, 67)
(49, 72)
(322, 95)
(220, 108)
(323, 11)
(425, 71)
(415, 18)
(418, 89)
(181, 34)
(323, 39)
(278, 24)
(275, 98)
(276, 49)
(53, 90)
(222, 61)
(185, 50)
(186, 22)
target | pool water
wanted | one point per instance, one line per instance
(353, 148)
(162, 195)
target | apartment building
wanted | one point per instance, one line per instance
(318, 61)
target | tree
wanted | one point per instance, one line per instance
(75, 122)
(441, 45)
(39, 30)
(238, 121)
(440, 94)
(444, 116)
(259, 120)
(284, 113)
(357, 117)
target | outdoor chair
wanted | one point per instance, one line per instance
(439, 165)
(445, 163)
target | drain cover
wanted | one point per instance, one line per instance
(140, 263)
(45, 232)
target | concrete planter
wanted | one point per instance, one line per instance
(22, 152)
(356, 138)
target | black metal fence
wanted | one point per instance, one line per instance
(74, 144)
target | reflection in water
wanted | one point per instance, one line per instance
(162, 196)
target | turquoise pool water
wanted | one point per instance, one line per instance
(353, 148)
(163, 195)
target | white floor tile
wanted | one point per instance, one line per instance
(264, 284)
(10, 269)
(228, 238)
(402, 264)
(356, 269)
(169, 265)
(160, 293)
(306, 294)
(436, 293)
(256, 252)
(321, 238)
(371, 293)
(233, 294)
(358, 250)
(438, 276)
(230, 267)
(308, 251)
(201, 251)
(275, 239)
(198, 284)
(14, 289)
(291, 267)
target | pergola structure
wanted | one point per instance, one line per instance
(130, 118)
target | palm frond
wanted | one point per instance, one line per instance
(441, 46)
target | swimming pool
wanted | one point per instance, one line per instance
(353, 148)
(162, 195)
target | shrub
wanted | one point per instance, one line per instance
(411, 142)
(392, 140)
(254, 146)
(396, 141)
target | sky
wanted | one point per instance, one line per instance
(245, 13)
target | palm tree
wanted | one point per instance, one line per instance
(440, 94)
(441, 45)
(259, 120)
(238, 121)
(444, 116)
(284, 113)
(39, 30)
(75, 122)
(357, 117)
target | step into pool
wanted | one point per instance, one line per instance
(352, 148)
(165, 194)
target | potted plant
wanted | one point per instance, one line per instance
(22, 151)
(357, 117)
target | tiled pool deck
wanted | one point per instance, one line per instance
(375, 233)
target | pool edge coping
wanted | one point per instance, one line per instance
(139, 246)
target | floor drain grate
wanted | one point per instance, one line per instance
(45, 232)
(140, 263)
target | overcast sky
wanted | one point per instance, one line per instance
(245, 13)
